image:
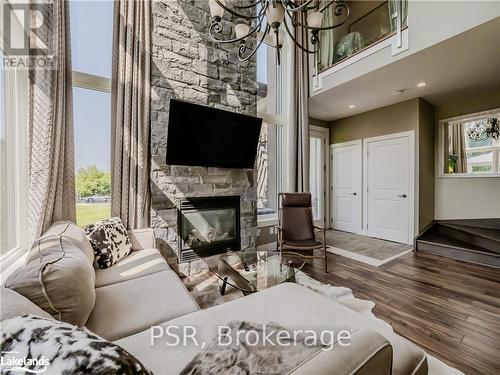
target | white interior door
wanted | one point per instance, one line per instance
(389, 187)
(317, 179)
(346, 187)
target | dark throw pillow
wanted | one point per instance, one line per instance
(52, 347)
(110, 241)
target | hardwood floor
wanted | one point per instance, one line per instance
(449, 308)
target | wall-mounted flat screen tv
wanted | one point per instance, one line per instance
(210, 137)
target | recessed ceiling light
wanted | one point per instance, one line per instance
(421, 84)
(352, 106)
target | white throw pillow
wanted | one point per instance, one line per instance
(110, 241)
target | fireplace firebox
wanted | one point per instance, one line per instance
(208, 226)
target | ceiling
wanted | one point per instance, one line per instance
(469, 60)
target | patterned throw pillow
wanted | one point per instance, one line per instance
(47, 346)
(110, 241)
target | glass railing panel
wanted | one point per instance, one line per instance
(369, 23)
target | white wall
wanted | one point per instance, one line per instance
(467, 198)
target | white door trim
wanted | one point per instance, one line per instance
(411, 168)
(326, 208)
(357, 142)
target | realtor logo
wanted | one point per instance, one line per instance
(28, 35)
(9, 362)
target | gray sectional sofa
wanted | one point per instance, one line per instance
(141, 291)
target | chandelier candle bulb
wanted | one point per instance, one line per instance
(216, 11)
(241, 30)
(275, 13)
(315, 19)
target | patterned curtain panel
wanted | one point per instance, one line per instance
(393, 7)
(457, 146)
(130, 96)
(298, 129)
(327, 46)
(50, 121)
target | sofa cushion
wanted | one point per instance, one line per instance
(110, 241)
(61, 280)
(129, 307)
(137, 264)
(62, 348)
(71, 232)
(290, 305)
(13, 304)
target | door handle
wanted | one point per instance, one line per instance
(354, 193)
(402, 195)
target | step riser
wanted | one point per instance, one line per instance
(470, 238)
(464, 255)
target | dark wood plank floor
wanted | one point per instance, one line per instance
(449, 308)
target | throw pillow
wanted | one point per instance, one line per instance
(110, 241)
(52, 347)
(70, 231)
(60, 280)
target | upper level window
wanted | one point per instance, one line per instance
(91, 47)
(471, 145)
(369, 22)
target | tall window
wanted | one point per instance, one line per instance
(13, 149)
(91, 45)
(5, 240)
(270, 150)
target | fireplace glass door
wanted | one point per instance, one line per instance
(208, 227)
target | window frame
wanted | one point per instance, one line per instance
(16, 144)
(441, 144)
(279, 121)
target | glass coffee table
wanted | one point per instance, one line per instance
(251, 271)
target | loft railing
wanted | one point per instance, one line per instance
(370, 22)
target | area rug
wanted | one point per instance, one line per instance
(205, 290)
(372, 251)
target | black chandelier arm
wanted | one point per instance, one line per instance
(216, 27)
(297, 43)
(248, 6)
(337, 13)
(243, 47)
(297, 8)
(236, 14)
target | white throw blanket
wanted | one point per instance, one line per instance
(345, 297)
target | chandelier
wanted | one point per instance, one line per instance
(266, 19)
(483, 130)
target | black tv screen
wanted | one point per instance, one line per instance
(211, 137)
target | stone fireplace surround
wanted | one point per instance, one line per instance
(187, 65)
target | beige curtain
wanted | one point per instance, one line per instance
(51, 188)
(298, 129)
(456, 134)
(327, 50)
(130, 96)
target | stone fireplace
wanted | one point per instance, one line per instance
(188, 65)
(208, 226)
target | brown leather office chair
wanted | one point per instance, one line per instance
(296, 226)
